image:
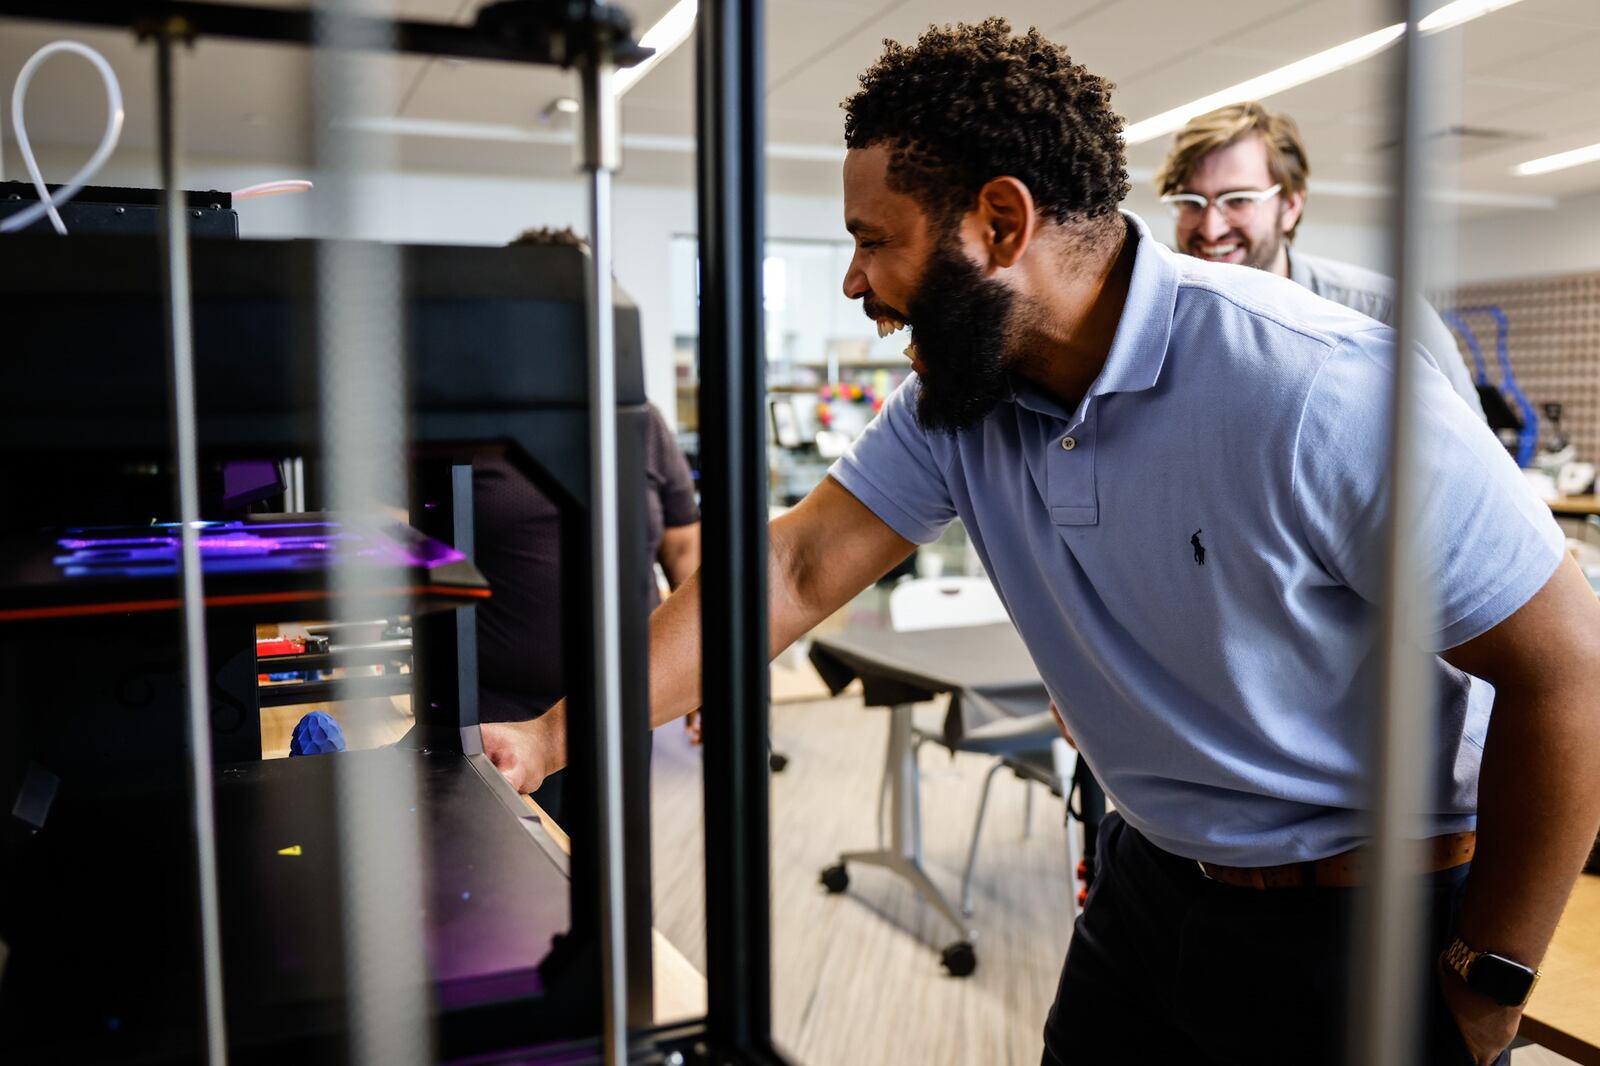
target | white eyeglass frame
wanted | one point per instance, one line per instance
(1245, 200)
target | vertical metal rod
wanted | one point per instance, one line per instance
(599, 160)
(733, 590)
(294, 484)
(362, 414)
(463, 537)
(1389, 957)
(180, 352)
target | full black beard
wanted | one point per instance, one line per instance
(959, 320)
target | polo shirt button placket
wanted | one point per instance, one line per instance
(1070, 471)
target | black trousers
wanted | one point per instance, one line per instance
(1167, 966)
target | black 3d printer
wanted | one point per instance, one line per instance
(529, 957)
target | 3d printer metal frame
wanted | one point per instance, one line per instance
(594, 38)
(542, 32)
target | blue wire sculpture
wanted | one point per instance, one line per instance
(1528, 435)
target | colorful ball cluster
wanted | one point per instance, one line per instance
(844, 393)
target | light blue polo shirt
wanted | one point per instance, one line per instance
(1240, 419)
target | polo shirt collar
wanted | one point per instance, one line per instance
(1139, 347)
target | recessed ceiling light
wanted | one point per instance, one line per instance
(561, 105)
(1560, 161)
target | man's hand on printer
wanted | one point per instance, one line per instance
(526, 753)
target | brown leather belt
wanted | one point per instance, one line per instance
(1345, 870)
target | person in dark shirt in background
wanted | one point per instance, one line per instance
(518, 548)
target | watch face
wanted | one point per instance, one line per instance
(1506, 982)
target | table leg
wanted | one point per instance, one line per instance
(903, 856)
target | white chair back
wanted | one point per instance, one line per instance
(944, 603)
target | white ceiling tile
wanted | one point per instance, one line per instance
(647, 13)
(1575, 12)
(816, 97)
(1562, 64)
(800, 34)
(507, 93)
(1506, 43)
(1502, 103)
(1122, 40)
(1564, 115)
(1136, 41)
(1314, 27)
(904, 19)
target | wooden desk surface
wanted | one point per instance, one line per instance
(680, 989)
(1576, 505)
(1564, 1013)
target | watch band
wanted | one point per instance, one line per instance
(1459, 957)
(1502, 980)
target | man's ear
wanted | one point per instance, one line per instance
(1007, 218)
(1293, 204)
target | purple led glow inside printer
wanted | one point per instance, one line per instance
(243, 547)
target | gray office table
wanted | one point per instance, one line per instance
(988, 675)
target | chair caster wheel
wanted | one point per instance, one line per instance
(959, 959)
(835, 879)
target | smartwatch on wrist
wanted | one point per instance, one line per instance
(1494, 977)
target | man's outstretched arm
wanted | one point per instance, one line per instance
(820, 554)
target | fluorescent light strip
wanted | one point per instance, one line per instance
(665, 36)
(1268, 84)
(1310, 68)
(1459, 11)
(1560, 161)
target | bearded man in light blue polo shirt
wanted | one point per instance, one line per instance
(1174, 472)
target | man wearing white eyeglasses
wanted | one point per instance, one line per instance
(1235, 180)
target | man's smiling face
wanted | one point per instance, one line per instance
(1257, 241)
(909, 270)
(892, 240)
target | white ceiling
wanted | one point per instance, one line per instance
(1529, 72)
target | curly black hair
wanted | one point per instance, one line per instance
(966, 104)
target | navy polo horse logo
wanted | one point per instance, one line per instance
(1199, 549)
